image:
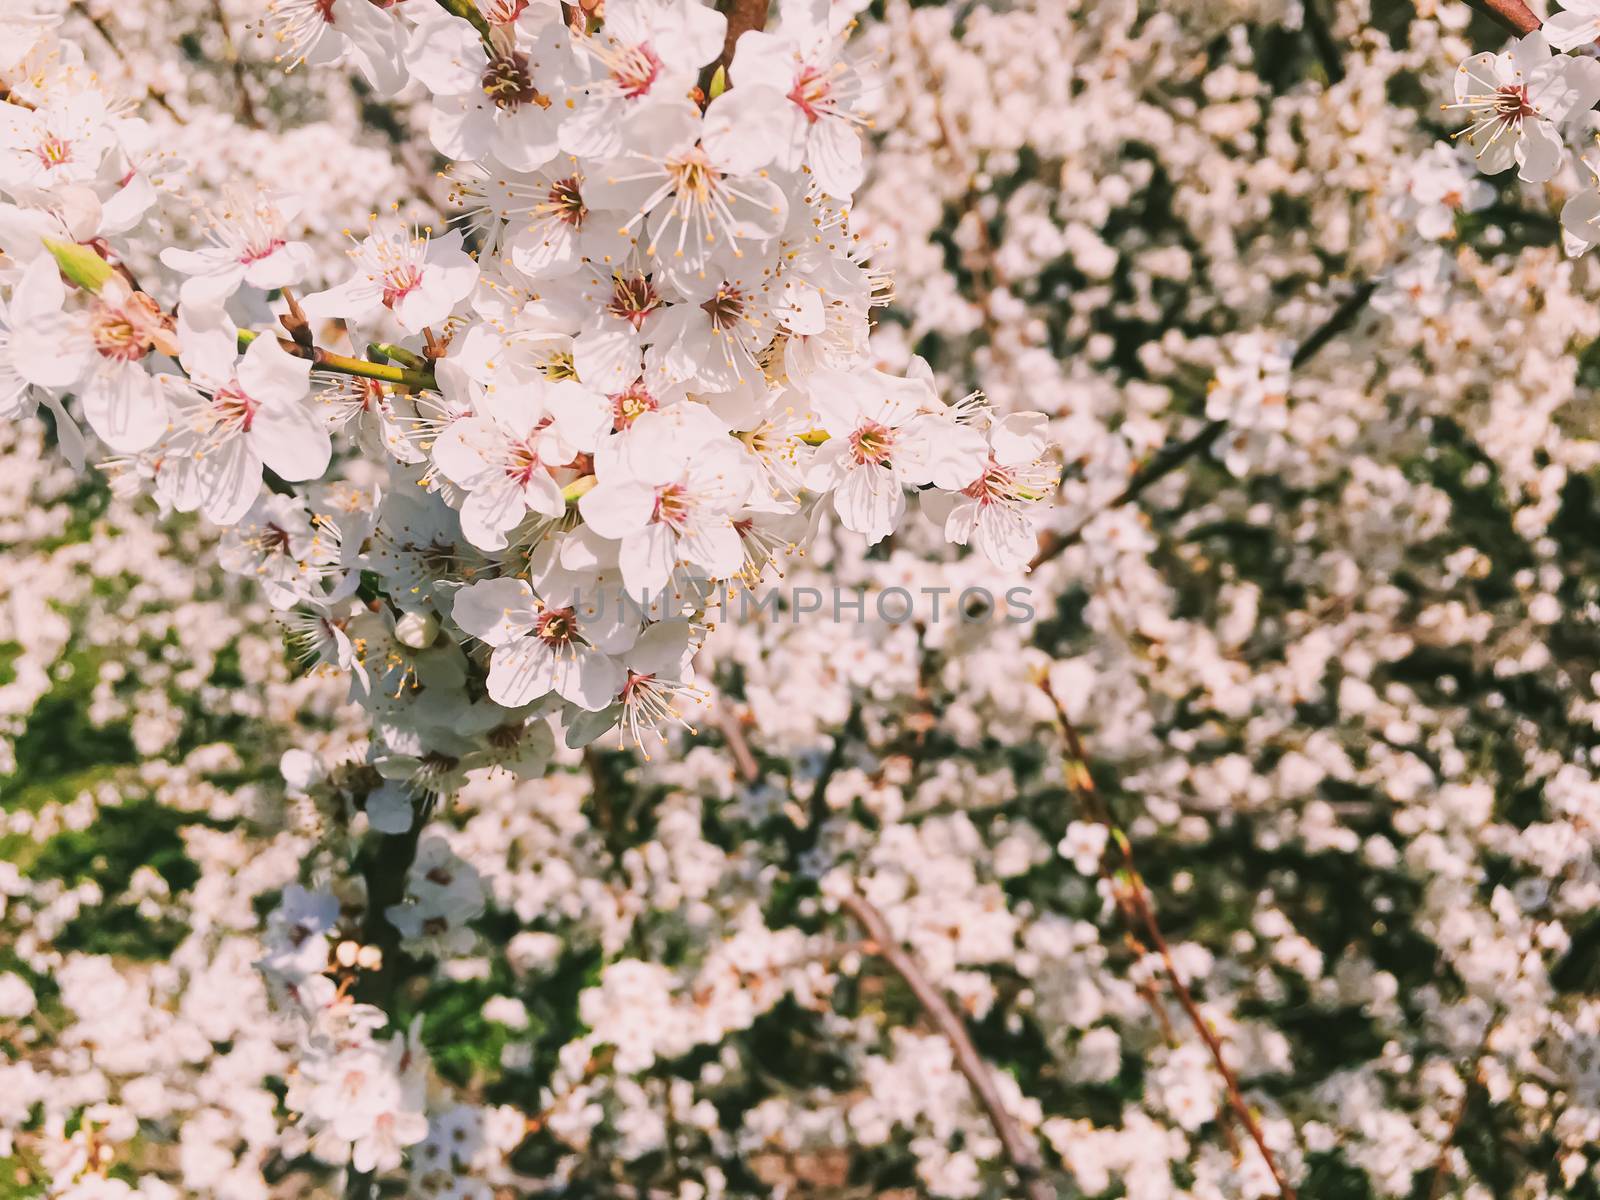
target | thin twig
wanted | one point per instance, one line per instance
(984, 265)
(343, 364)
(247, 108)
(728, 724)
(1174, 454)
(1441, 1165)
(110, 40)
(1322, 40)
(1133, 900)
(1020, 1150)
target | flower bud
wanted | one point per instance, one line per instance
(416, 630)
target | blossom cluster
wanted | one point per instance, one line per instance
(638, 363)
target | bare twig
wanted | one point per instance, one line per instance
(1174, 454)
(985, 267)
(1020, 1150)
(728, 724)
(1441, 1166)
(1133, 901)
(106, 36)
(1322, 40)
(247, 107)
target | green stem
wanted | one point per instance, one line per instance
(342, 364)
(389, 352)
(468, 11)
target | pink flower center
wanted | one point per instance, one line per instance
(505, 12)
(509, 82)
(234, 407)
(125, 332)
(635, 70)
(399, 282)
(628, 405)
(872, 443)
(255, 253)
(726, 307)
(274, 539)
(54, 151)
(1511, 102)
(672, 506)
(995, 484)
(556, 626)
(633, 299)
(565, 203)
(522, 461)
(810, 92)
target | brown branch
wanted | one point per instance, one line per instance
(1174, 454)
(728, 724)
(230, 52)
(1020, 1150)
(743, 16)
(1441, 1166)
(1133, 901)
(1513, 14)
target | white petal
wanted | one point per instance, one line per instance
(497, 611)
(126, 406)
(289, 439)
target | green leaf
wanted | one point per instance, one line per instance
(80, 264)
(719, 82)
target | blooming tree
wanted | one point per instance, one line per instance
(1185, 787)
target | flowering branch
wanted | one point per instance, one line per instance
(247, 108)
(1133, 901)
(1174, 454)
(106, 36)
(343, 364)
(1019, 1150)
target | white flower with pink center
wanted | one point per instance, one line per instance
(62, 142)
(419, 278)
(886, 434)
(97, 349)
(319, 32)
(507, 457)
(504, 99)
(238, 415)
(997, 513)
(538, 222)
(822, 94)
(694, 185)
(247, 243)
(540, 648)
(645, 52)
(1516, 102)
(668, 490)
